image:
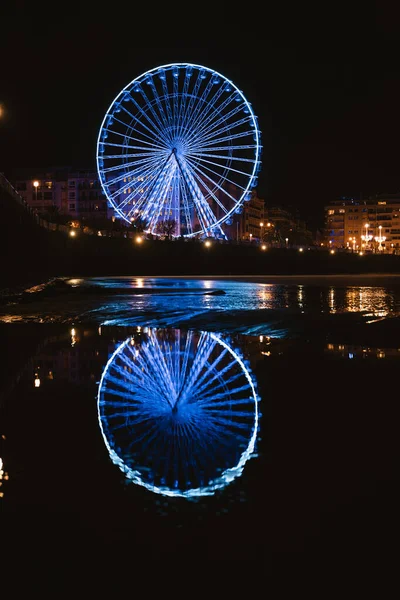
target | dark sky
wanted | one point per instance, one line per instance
(325, 86)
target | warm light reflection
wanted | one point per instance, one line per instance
(75, 282)
(300, 296)
(354, 352)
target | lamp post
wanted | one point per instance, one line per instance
(261, 227)
(380, 238)
(36, 185)
(366, 237)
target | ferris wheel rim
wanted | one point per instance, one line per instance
(256, 132)
(226, 477)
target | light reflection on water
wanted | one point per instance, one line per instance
(181, 302)
(178, 411)
(197, 294)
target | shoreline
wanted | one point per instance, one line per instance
(361, 277)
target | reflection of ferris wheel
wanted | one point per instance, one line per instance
(178, 412)
(180, 143)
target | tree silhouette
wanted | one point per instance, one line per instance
(167, 228)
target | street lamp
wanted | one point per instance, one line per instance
(380, 238)
(261, 226)
(286, 242)
(36, 185)
(366, 237)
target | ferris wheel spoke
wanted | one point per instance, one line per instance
(146, 171)
(205, 162)
(183, 99)
(208, 369)
(184, 200)
(201, 102)
(160, 124)
(163, 111)
(145, 158)
(126, 126)
(215, 120)
(202, 385)
(212, 396)
(209, 113)
(138, 155)
(161, 183)
(211, 136)
(166, 99)
(139, 175)
(193, 97)
(153, 129)
(151, 149)
(203, 117)
(162, 203)
(203, 173)
(216, 380)
(230, 157)
(205, 348)
(206, 217)
(210, 192)
(158, 368)
(126, 136)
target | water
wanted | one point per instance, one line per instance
(142, 417)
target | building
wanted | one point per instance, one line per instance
(370, 225)
(63, 191)
(248, 222)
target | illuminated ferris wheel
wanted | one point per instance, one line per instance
(178, 412)
(180, 143)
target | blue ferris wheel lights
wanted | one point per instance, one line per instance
(176, 414)
(184, 134)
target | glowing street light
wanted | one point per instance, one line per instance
(72, 233)
(138, 239)
(207, 243)
(380, 238)
(36, 185)
(367, 238)
(263, 247)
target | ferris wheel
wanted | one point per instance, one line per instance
(179, 144)
(178, 412)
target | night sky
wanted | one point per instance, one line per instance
(325, 86)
